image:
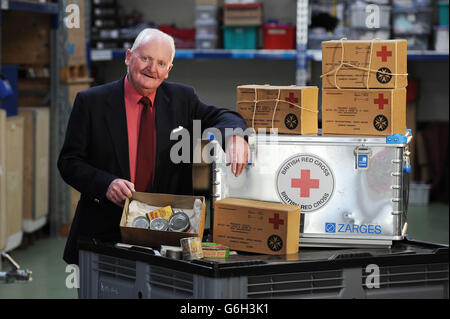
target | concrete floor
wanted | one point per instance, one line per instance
(44, 257)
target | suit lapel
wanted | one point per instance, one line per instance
(116, 118)
(164, 117)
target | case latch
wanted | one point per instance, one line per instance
(362, 157)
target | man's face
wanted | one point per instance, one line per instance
(148, 65)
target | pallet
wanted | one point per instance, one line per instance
(73, 72)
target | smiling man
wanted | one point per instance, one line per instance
(118, 139)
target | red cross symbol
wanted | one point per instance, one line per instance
(291, 99)
(384, 53)
(305, 183)
(381, 101)
(276, 221)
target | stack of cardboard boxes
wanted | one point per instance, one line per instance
(24, 131)
(241, 25)
(3, 213)
(36, 166)
(363, 93)
(364, 87)
(258, 226)
(14, 180)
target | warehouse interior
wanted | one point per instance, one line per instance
(51, 50)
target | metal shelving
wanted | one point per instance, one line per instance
(301, 55)
(106, 55)
(314, 55)
(59, 211)
(48, 8)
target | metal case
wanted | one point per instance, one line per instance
(352, 190)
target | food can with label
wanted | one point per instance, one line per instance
(164, 212)
(179, 222)
(159, 224)
(141, 222)
(192, 248)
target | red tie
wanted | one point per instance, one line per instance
(145, 160)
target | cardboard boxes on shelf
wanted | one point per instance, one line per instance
(36, 163)
(290, 109)
(364, 64)
(256, 226)
(14, 180)
(3, 213)
(363, 112)
(243, 14)
(77, 37)
(241, 24)
(28, 38)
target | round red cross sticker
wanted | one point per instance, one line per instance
(306, 181)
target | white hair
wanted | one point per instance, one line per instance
(149, 33)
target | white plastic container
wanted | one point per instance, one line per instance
(206, 27)
(419, 194)
(441, 38)
(206, 12)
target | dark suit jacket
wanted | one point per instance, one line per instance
(95, 152)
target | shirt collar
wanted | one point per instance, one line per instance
(132, 95)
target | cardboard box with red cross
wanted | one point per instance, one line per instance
(257, 226)
(359, 64)
(290, 109)
(364, 112)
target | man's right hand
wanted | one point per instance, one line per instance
(119, 190)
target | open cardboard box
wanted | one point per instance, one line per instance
(156, 238)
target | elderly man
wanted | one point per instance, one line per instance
(118, 139)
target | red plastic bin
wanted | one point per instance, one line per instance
(279, 36)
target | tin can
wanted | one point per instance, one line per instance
(159, 224)
(174, 254)
(177, 210)
(192, 248)
(141, 222)
(179, 222)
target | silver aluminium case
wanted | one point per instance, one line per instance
(352, 190)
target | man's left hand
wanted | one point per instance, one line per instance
(237, 154)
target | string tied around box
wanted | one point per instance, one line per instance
(368, 69)
(277, 101)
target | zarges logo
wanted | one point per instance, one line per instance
(353, 228)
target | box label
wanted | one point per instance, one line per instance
(365, 112)
(305, 180)
(243, 234)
